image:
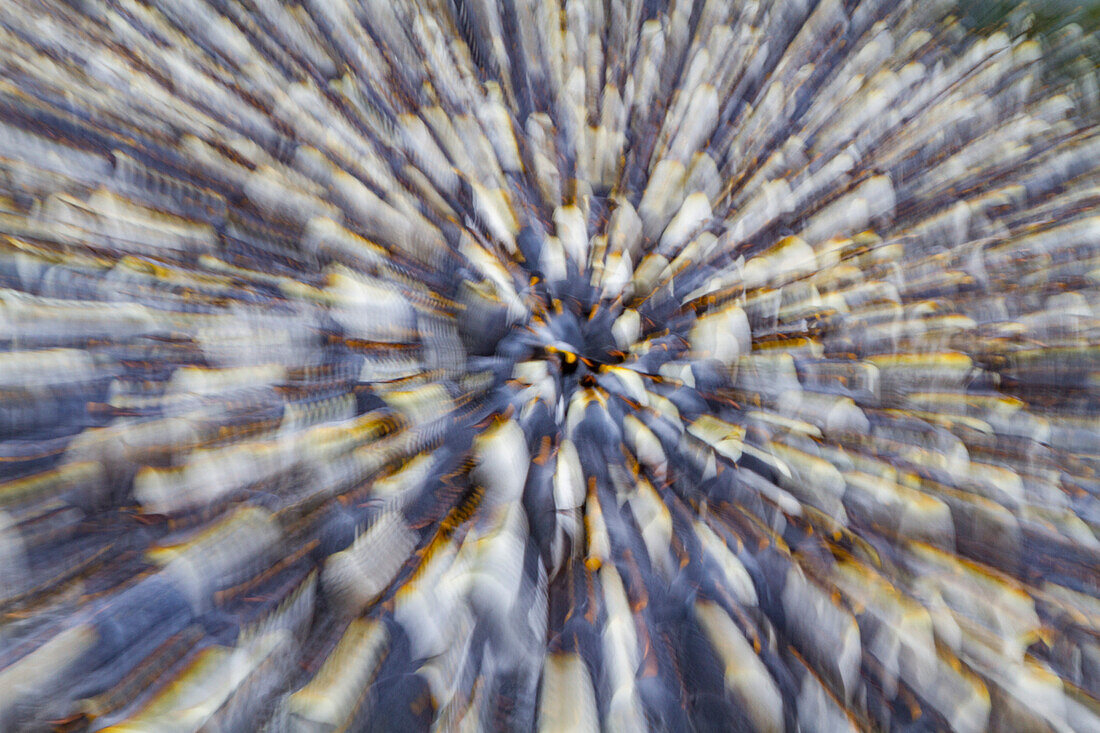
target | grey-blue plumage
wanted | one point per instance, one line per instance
(487, 365)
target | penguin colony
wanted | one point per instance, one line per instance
(462, 365)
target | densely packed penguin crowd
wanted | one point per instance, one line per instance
(468, 365)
